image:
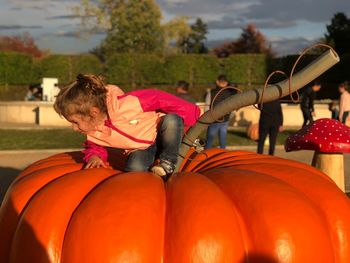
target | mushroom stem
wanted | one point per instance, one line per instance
(332, 164)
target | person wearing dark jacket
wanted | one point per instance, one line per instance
(182, 88)
(221, 92)
(270, 123)
(307, 103)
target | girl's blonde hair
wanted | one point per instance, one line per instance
(78, 97)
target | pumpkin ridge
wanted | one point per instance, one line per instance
(201, 218)
(20, 214)
(285, 162)
(69, 176)
(197, 163)
(323, 206)
(44, 169)
(220, 159)
(82, 200)
(207, 154)
(49, 164)
(111, 183)
(237, 184)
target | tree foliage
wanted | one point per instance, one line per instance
(176, 31)
(131, 25)
(22, 44)
(194, 43)
(251, 40)
(338, 33)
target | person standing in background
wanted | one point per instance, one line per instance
(270, 123)
(220, 126)
(334, 108)
(307, 103)
(182, 88)
(344, 103)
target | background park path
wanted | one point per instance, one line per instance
(12, 162)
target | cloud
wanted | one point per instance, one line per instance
(280, 45)
(31, 4)
(71, 34)
(228, 22)
(63, 17)
(271, 13)
(286, 46)
(18, 27)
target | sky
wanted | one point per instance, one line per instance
(289, 25)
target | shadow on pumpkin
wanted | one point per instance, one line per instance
(7, 176)
(22, 245)
(258, 259)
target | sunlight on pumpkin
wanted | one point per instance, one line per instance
(284, 250)
(207, 250)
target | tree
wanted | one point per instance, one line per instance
(338, 33)
(250, 41)
(194, 43)
(21, 43)
(131, 25)
(176, 30)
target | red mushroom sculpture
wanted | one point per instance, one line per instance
(329, 139)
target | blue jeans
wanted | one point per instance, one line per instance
(170, 131)
(213, 130)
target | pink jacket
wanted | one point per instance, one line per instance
(133, 119)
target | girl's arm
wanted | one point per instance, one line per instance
(156, 100)
(92, 149)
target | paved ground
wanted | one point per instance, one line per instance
(12, 162)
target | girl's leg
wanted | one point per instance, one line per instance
(170, 134)
(169, 138)
(141, 160)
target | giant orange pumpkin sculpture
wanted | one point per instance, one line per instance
(221, 207)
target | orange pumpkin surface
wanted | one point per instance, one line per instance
(222, 207)
(253, 132)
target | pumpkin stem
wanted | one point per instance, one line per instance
(253, 96)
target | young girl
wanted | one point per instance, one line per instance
(143, 122)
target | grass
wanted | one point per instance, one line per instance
(66, 139)
(40, 139)
(239, 138)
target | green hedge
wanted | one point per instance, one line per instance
(16, 68)
(138, 71)
(134, 70)
(19, 69)
(67, 67)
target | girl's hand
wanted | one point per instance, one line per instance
(95, 162)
